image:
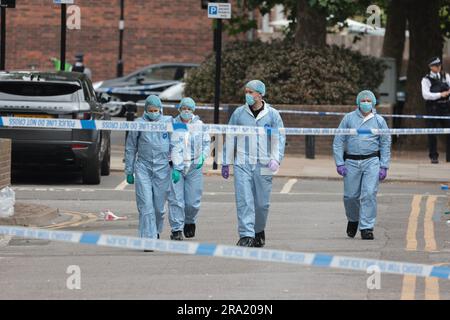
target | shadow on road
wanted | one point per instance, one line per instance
(48, 176)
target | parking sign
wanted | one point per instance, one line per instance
(219, 10)
(212, 10)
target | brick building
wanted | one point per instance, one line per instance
(155, 31)
(5, 163)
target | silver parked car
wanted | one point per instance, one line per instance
(59, 95)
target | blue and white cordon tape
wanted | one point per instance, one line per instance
(226, 251)
(138, 90)
(44, 123)
(164, 105)
(304, 112)
(329, 113)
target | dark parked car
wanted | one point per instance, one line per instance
(136, 86)
(59, 95)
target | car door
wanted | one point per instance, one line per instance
(98, 114)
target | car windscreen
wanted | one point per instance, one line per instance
(39, 91)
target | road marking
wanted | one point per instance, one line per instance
(288, 186)
(430, 240)
(57, 189)
(122, 185)
(339, 194)
(432, 289)
(4, 240)
(411, 240)
(431, 286)
(77, 219)
(408, 288)
(409, 282)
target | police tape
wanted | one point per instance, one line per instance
(148, 126)
(329, 113)
(138, 90)
(233, 252)
(164, 105)
(302, 112)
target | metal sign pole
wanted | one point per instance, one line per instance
(63, 36)
(121, 29)
(217, 11)
(218, 48)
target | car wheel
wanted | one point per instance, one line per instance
(106, 163)
(92, 171)
(115, 110)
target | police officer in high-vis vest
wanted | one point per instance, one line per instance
(436, 91)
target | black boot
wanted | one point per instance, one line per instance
(246, 242)
(260, 239)
(352, 228)
(189, 230)
(176, 235)
(367, 234)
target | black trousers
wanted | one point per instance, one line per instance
(438, 110)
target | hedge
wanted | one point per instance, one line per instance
(292, 74)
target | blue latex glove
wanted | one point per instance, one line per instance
(383, 173)
(130, 179)
(342, 170)
(176, 176)
(225, 172)
(201, 160)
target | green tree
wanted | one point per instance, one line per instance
(309, 18)
(293, 74)
(394, 38)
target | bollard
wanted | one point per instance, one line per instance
(310, 142)
(229, 109)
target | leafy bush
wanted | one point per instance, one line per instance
(292, 74)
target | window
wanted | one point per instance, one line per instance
(38, 91)
(160, 74)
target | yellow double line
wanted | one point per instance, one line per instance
(409, 282)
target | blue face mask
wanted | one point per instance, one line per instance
(186, 115)
(365, 106)
(152, 116)
(249, 99)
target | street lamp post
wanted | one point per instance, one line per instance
(63, 36)
(3, 5)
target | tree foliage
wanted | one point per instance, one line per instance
(334, 10)
(293, 74)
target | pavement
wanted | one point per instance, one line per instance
(405, 167)
(26, 214)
